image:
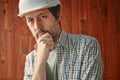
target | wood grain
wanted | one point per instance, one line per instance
(98, 18)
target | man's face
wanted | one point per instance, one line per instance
(41, 22)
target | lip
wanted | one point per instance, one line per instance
(39, 34)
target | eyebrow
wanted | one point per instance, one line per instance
(42, 13)
(37, 15)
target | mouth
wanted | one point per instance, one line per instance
(39, 34)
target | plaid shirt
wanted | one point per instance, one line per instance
(78, 58)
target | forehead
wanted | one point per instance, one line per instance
(38, 12)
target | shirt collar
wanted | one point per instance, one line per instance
(62, 41)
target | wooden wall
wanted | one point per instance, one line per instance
(98, 18)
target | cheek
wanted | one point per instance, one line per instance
(30, 27)
(31, 30)
(48, 25)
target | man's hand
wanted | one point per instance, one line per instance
(45, 45)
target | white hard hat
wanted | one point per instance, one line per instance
(26, 6)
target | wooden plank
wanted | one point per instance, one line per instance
(75, 16)
(110, 39)
(98, 18)
(3, 44)
(83, 21)
(66, 15)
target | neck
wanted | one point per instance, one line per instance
(58, 35)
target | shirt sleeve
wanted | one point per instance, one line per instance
(28, 69)
(93, 64)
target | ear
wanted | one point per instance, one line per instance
(59, 16)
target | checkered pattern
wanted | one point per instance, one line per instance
(78, 58)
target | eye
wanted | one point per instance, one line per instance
(29, 19)
(43, 16)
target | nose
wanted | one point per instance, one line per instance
(37, 25)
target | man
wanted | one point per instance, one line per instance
(58, 55)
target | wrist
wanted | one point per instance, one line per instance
(41, 60)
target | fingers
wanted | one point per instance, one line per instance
(46, 41)
(46, 35)
(45, 45)
(45, 38)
